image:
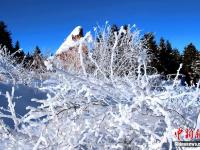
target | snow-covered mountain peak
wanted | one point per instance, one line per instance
(76, 30)
(70, 42)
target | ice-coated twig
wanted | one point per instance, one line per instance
(11, 106)
(176, 78)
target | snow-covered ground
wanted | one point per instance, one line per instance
(84, 112)
(22, 99)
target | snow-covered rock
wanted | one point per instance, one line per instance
(74, 49)
(71, 40)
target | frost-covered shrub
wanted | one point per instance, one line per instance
(108, 54)
(119, 52)
(10, 70)
(117, 111)
(88, 113)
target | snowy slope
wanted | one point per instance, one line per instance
(23, 96)
(86, 112)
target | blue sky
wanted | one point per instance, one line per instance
(47, 22)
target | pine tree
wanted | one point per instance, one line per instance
(169, 58)
(5, 37)
(150, 44)
(37, 51)
(176, 60)
(17, 46)
(162, 56)
(19, 54)
(38, 63)
(196, 65)
(28, 60)
(190, 55)
(173, 59)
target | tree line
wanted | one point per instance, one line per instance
(28, 60)
(167, 59)
(164, 57)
